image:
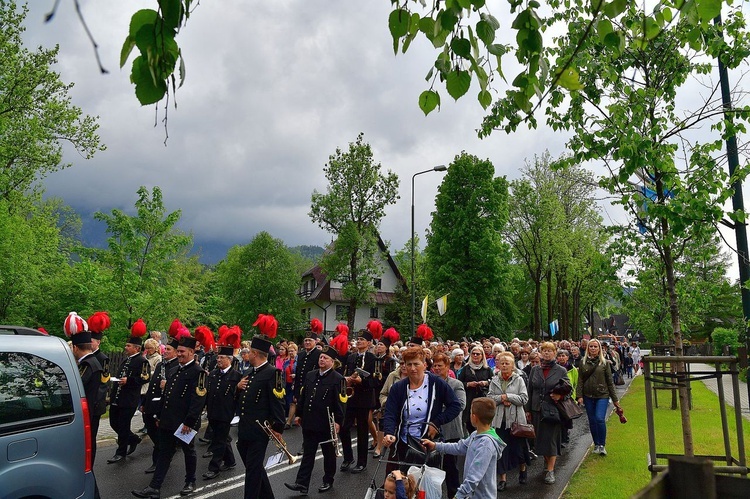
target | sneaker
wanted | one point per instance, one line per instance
(596, 449)
(602, 450)
(549, 477)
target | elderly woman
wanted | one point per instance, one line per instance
(508, 390)
(475, 376)
(457, 361)
(546, 384)
(417, 405)
(595, 388)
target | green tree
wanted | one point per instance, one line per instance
(147, 258)
(466, 255)
(36, 113)
(260, 277)
(352, 208)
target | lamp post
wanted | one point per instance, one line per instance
(439, 168)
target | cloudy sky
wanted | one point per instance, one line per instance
(272, 89)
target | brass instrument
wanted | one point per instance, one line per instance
(278, 441)
(350, 383)
(334, 436)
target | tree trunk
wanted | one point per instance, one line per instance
(537, 320)
(549, 299)
(674, 312)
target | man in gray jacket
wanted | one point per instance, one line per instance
(452, 431)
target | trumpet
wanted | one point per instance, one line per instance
(350, 383)
(278, 441)
(334, 436)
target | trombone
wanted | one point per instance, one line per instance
(280, 444)
(334, 436)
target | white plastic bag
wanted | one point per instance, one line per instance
(430, 481)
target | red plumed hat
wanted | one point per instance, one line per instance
(174, 328)
(182, 332)
(206, 337)
(391, 335)
(223, 330)
(238, 330)
(375, 328)
(267, 324)
(231, 338)
(137, 332)
(341, 341)
(74, 324)
(316, 326)
(98, 322)
(424, 332)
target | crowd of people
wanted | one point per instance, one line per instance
(399, 396)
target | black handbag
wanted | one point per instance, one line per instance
(549, 412)
(417, 454)
(569, 409)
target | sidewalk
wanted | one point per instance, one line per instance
(726, 381)
(106, 435)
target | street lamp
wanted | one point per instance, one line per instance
(439, 168)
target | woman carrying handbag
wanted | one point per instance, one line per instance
(508, 390)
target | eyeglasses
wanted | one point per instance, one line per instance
(476, 353)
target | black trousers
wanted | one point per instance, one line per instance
(119, 419)
(153, 433)
(310, 441)
(450, 466)
(220, 445)
(253, 452)
(167, 447)
(361, 415)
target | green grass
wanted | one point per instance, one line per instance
(623, 471)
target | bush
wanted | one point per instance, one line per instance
(725, 337)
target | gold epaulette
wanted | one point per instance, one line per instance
(343, 397)
(82, 369)
(146, 371)
(200, 390)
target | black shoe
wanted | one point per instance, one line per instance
(359, 469)
(204, 440)
(150, 469)
(501, 486)
(227, 467)
(346, 465)
(208, 454)
(148, 493)
(296, 487)
(188, 489)
(115, 459)
(287, 426)
(325, 487)
(522, 477)
(210, 475)
(131, 447)
(371, 448)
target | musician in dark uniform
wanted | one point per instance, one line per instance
(307, 361)
(91, 375)
(126, 392)
(359, 367)
(98, 323)
(152, 401)
(384, 365)
(181, 405)
(260, 401)
(322, 396)
(220, 404)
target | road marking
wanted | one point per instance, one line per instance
(210, 490)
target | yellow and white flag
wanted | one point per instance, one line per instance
(424, 309)
(442, 304)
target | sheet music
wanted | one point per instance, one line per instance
(274, 460)
(185, 437)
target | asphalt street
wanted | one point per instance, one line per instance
(117, 480)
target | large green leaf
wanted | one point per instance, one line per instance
(709, 9)
(461, 47)
(458, 83)
(428, 100)
(144, 16)
(485, 98)
(171, 12)
(615, 8)
(127, 48)
(485, 32)
(147, 89)
(398, 23)
(569, 79)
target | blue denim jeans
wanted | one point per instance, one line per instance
(596, 410)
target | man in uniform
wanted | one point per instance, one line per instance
(307, 361)
(98, 323)
(260, 402)
(359, 367)
(91, 375)
(322, 396)
(222, 386)
(180, 412)
(152, 402)
(126, 393)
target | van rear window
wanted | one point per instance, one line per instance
(31, 388)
